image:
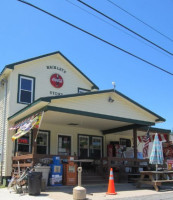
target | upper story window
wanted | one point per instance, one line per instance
(82, 90)
(26, 89)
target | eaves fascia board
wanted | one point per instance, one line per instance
(107, 91)
(154, 129)
(161, 119)
(97, 115)
(27, 108)
(6, 68)
(75, 95)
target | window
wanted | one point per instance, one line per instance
(96, 147)
(82, 90)
(83, 146)
(26, 89)
(90, 146)
(24, 143)
(43, 139)
(64, 145)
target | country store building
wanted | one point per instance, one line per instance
(76, 118)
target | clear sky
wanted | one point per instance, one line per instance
(26, 32)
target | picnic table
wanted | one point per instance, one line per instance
(155, 178)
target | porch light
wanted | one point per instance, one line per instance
(110, 100)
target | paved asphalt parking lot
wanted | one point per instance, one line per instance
(125, 191)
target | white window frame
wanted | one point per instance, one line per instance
(84, 136)
(45, 133)
(17, 147)
(101, 141)
(63, 134)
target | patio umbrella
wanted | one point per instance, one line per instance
(156, 156)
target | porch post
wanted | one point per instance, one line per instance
(34, 143)
(135, 142)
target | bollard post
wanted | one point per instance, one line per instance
(79, 192)
(79, 176)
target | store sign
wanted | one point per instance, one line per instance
(23, 141)
(56, 80)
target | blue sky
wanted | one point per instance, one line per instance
(26, 32)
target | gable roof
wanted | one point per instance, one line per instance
(159, 118)
(50, 98)
(11, 66)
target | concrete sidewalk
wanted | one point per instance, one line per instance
(125, 191)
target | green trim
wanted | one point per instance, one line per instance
(154, 129)
(105, 91)
(75, 95)
(26, 108)
(11, 66)
(7, 67)
(33, 92)
(96, 115)
(48, 99)
(120, 129)
(137, 104)
(33, 113)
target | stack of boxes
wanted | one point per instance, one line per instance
(56, 171)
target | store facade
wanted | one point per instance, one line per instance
(77, 119)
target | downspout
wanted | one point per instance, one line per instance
(4, 83)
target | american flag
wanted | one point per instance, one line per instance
(146, 140)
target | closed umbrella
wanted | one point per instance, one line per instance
(156, 156)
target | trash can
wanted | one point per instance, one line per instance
(34, 183)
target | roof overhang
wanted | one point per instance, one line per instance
(65, 116)
(105, 123)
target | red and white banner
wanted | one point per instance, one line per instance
(162, 137)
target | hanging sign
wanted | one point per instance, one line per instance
(56, 80)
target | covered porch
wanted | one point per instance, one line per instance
(84, 126)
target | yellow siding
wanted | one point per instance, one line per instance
(43, 88)
(66, 130)
(99, 104)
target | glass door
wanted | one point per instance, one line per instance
(96, 147)
(64, 145)
(42, 142)
(83, 146)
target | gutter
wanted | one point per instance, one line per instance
(4, 83)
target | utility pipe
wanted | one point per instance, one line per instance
(4, 83)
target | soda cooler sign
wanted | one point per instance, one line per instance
(56, 81)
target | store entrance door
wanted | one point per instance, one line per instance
(90, 146)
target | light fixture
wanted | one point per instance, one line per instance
(113, 83)
(111, 100)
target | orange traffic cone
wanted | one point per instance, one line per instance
(111, 186)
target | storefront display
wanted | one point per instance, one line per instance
(167, 150)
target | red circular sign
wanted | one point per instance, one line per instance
(56, 80)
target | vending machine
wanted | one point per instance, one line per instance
(56, 172)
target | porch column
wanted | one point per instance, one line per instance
(34, 143)
(135, 142)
